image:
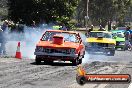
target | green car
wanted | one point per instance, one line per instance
(57, 27)
(118, 35)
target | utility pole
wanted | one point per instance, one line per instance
(87, 17)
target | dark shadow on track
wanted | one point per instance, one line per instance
(54, 64)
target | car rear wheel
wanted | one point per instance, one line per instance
(37, 60)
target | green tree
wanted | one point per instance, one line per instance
(42, 10)
(100, 11)
(122, 7)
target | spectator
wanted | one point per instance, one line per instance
(5, 25)
(3, 37)
(91, 29)
(33, 24)
(127, 37)
(109, 25)
(101, 28)
(114, 27)
(64, 27)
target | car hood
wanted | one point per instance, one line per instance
(101, 40)
(49, 44)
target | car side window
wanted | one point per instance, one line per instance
(45, 36)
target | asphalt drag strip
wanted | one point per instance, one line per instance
(24, 73)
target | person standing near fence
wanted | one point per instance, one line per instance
(4, 27)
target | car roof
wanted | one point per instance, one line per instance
(71, 32)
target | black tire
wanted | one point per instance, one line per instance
(83, 54)
(129, 49)
(80, 61)
(75, 62)
(112, 52)
(81, 80)
(37, 60)
(123, 48)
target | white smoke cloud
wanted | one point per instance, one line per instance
(86, 57)
(91, 57)
(28, 40)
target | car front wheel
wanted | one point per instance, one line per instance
(75, 62)
(111, 53)
(37, 60)
(80, 61)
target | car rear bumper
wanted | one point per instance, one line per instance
(56, 56)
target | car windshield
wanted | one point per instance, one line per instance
(48, 36)
(104, 35)
(120, 35)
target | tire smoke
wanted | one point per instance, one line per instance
(28, 40)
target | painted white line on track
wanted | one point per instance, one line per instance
(9, 61)
(130, 86)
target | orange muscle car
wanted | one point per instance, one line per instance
(60, 45)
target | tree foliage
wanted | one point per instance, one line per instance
(41, 10)
(100, 11)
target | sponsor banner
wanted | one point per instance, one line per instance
(108, 78)
(103, 78)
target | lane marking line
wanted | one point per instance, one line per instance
(130, 86)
